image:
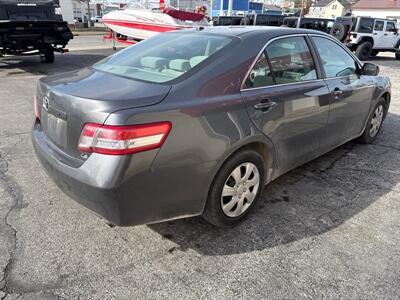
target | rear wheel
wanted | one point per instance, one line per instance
(235, 189)
(374, 123)
(364, 50)
(47, 55)
(398, 55)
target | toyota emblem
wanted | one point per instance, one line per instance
(45, 102)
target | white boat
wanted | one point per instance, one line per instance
(138, 21)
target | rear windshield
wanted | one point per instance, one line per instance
(164, 57)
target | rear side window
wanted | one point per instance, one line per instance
(379, 25)
(287, 60)
(366, 25)
(260, 75)
(165, 57)
(336, 61)
(291, 60)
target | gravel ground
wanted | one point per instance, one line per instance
(328, 229)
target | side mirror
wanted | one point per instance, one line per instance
(370, 69)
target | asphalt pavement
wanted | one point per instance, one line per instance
(328, 229)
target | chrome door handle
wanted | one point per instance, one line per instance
(265, 105)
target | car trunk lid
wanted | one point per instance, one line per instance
(67, 101)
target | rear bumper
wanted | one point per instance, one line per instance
(14, 34)
(122, 189)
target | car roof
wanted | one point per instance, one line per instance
(245, 31)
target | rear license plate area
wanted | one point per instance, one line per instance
(56, 130)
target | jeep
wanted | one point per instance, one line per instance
(368, 36)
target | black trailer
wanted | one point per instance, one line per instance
(31, 27)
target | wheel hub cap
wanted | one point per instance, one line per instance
(240, 189)
(376, 121)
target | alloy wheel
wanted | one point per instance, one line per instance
(240, 189)
(376, 121)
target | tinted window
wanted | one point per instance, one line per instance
(316, 24)
(290, 23)
(164, 57)
(291, 60)
(336, 61)
(379, 25)
(260, 75)
(390, 26)
(366, 25)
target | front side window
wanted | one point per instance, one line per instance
(164, 57)
(390, 26)
(336, 61)
(379, 25)
(291, 60)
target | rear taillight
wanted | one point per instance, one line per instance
(36, 107)
(120, 140)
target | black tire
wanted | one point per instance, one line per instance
(47, 55)
(339, 31)
(398, 55)
(366, 137)
(245, 21)
(364, 50)
(213, 211)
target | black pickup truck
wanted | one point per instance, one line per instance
(29, 27)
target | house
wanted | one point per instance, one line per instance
(377, 8)
(329, 9)
(297, 6)
(73, 10)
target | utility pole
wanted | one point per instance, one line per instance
(89, 17)
(230, 7)
(302, 8)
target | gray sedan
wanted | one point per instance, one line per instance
(197, 122)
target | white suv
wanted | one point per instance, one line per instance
(369, 36)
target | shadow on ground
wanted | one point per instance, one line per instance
(31, 65)
(306, 202)
(387, 61)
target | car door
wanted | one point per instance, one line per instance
(379, 34)
(351, 93)
(287, 100)
(391, 35)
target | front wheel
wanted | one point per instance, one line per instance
(235, 189)
(398, 55)
(374, 123)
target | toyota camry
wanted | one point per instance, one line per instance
(197, 122)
